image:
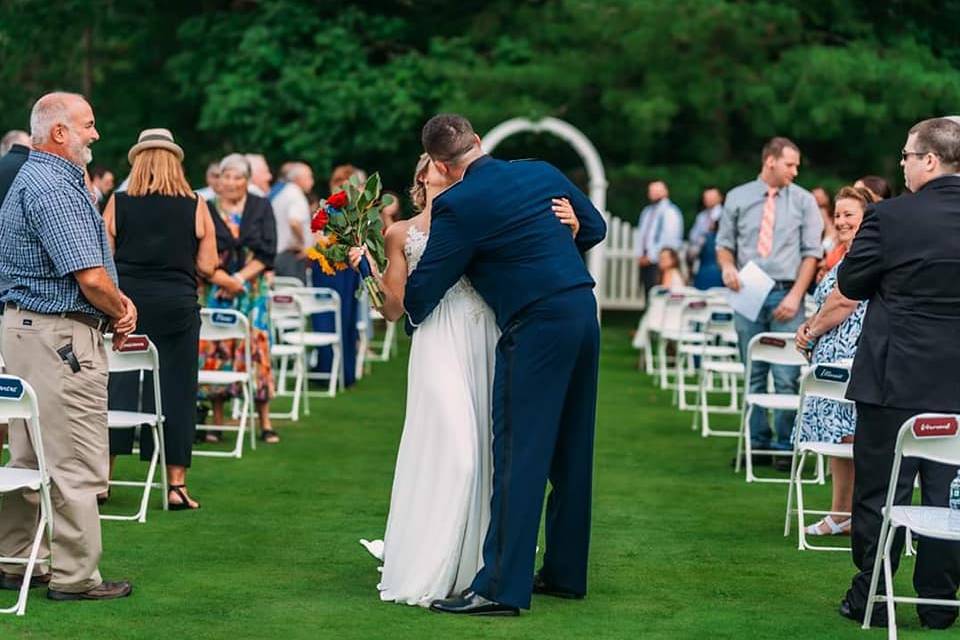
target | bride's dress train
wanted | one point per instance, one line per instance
(440, 503)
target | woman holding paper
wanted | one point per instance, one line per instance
(829, 336)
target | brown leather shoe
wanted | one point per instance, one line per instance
(104, 591)
(13, 582)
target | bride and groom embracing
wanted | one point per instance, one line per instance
(505, 348)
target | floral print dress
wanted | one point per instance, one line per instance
(228, 355)
(823, 420)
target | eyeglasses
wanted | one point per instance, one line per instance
(904, 154)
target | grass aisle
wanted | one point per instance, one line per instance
(681, 547)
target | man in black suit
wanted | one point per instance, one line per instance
(14, 149)
(906, 260)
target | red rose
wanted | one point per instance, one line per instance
(338, 199)
(319, 221)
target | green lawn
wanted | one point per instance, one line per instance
(682, 548)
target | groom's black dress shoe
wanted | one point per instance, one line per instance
(847, 610)
(473, 604)
(543, 588)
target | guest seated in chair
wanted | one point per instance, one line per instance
(829, 336)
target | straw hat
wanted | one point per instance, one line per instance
(155, 139)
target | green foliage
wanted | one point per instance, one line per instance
(686, 90)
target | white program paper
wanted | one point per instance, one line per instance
(755, 286)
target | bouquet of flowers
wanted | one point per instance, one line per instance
(351, 218)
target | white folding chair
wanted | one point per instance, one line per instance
(363, 336)
(229, 324)
(286, 315)
(826, 381)
(18, 401)
(774, 349)
(700, 340)
(672, 330)
(723, 363)
(650, 326)
(316, 301)
(380, 350)
(930, 436)
(140, 355)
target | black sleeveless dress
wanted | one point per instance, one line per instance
(156, 252)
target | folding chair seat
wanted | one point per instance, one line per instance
(826, 381)
(139, 355)
(286, 315)
(228, 324)
(317, 301)
(928, 436)
(774, 349)
(19, 401)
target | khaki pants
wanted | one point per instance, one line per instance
(73, 421)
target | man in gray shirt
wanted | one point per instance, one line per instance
(777, 225)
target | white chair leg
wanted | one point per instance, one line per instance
(885, 533)
(31, 563)
(888, 585)
(797, 481)
(164, 480)
(151, 474)
(793, 471)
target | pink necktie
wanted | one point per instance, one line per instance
(765, 238)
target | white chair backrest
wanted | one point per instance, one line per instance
(672, 319)
(721, 318)
(136, 354)
(774, 348)
(286, 282)
(657, 303)
(19, 401)
(695, 314)
(223, 324)
(314, 300)
(826, 381)
(932, 436)
(285, 306)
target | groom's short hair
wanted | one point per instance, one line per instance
(447, 136)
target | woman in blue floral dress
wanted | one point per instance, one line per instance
(832, 333)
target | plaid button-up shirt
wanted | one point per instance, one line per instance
(49, 229)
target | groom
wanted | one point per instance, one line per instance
(495, 224)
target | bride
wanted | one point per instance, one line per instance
(440, 503)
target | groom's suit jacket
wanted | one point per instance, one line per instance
(497, 226)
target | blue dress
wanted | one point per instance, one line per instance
(708, 274)
(825, 420)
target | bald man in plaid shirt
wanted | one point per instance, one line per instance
(64, 297)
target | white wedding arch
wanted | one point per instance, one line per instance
(610, 262)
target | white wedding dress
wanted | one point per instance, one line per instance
(440, 503)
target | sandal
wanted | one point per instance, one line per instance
(212, 437)
(103, 497)
(184, 504)
(270, 436)
(833, 529)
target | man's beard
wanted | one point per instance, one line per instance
(81, 154)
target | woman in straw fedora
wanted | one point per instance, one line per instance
(163, 239)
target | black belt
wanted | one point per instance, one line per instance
(100, 324)
(779, 285)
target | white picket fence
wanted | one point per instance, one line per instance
(620, 285)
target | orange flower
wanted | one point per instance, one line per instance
(325, 265)
(340, 266)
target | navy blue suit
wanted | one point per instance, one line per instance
(497, 227)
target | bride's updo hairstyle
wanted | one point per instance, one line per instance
(418, 191)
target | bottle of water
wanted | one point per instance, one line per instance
(955, 502)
